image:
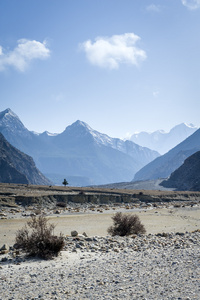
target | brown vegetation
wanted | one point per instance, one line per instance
(126, 225)
(40, 241)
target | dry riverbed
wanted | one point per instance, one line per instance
(94, 223)
(162, 264)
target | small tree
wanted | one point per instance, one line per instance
(40, 241)
(65, 182)
(126, 225)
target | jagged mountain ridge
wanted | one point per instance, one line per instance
(78, 151)
(162, 141)
(187, 176)
(163, 166)
(17, 167)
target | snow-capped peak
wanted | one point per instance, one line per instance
(7, 113)
(162, 141)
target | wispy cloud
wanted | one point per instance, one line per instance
(110, 52)
(23, 54)
(153, 8)
(191, 4)
(156, 93)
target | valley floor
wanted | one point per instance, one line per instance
(162, 264)
(145, 267)
(95, 223)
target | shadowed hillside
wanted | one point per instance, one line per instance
(17, 167)
(187, 177)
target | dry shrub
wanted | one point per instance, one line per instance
(37, 239)
(126, 225)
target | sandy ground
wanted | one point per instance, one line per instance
(96, 224)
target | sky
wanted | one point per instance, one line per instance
(121, 66)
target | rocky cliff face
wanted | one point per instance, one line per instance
(187, 176)
(17, 167)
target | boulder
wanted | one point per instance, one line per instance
(74, 233)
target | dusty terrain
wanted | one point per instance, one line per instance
(161, 264)
(159, 211)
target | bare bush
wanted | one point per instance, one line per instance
(37, 239)
(126, 225)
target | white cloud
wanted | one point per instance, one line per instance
(22, 55)
(191, 4)
(153, 7)
(110, 52)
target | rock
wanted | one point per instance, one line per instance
(88, 239)
(74, 233)
(5, 247)
(84, 234)
(4, 259)
(3, 215)
(116, 250)
(3, 252)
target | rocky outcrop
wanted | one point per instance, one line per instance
(187, 176)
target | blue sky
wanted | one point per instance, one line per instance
(119, 65)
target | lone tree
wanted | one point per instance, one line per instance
(65, 182)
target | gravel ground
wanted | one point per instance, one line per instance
(161, 266)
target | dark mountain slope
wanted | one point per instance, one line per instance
(9, 174)
(17, 167)
(187, 176)
(164, 165)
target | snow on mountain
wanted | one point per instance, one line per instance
(46, 133)
(164, 165)
(82, 131)
(162, 141)
(78, 152)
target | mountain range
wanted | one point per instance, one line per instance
(79, 153)
(164, 165)
(162, 141)
(187, 176)
(17, 167)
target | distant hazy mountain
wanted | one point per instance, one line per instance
(187, 176)
(77, 152)
(17, 167)
(164, 165)
(162, 141)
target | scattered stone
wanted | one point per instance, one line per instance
(74, 233)
(146, 267)
(5, 247)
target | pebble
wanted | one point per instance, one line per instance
(162, 266)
